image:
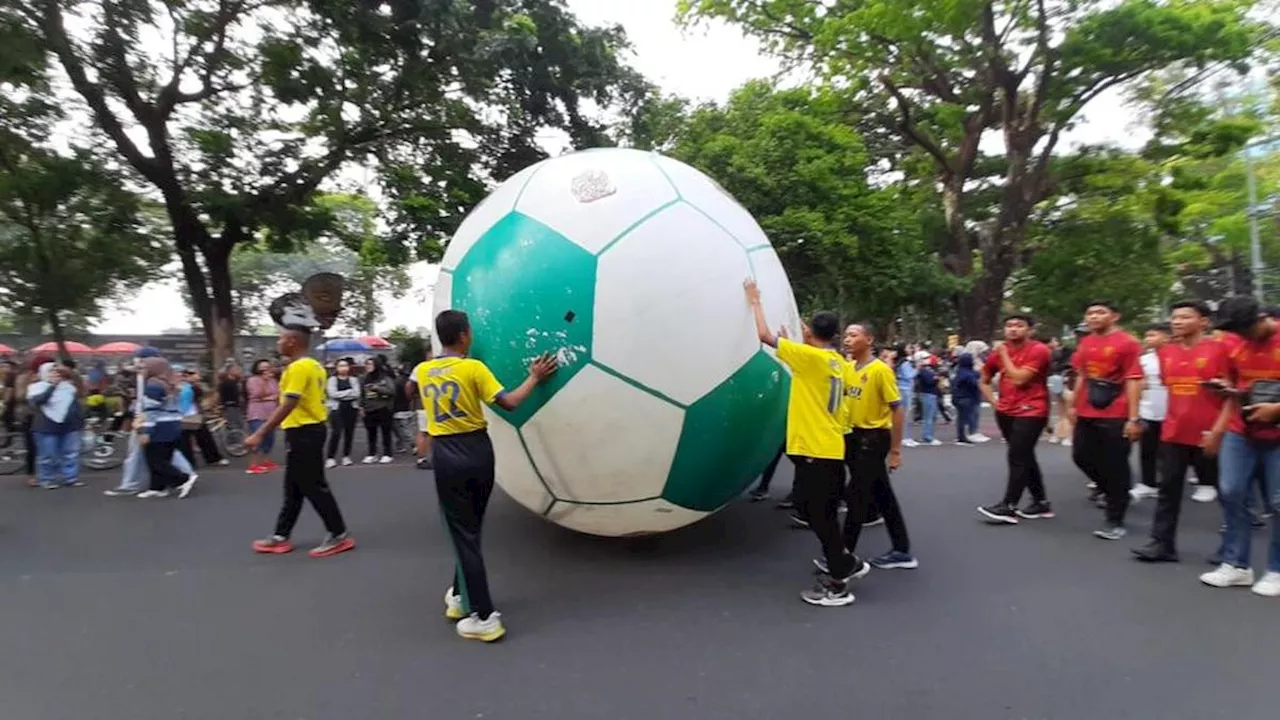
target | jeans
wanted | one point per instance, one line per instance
(1237, 460)
(1021, 435)
(929, 415)
(135, 466)
(268, 440)
(58, 453)
(966, 418)
(1101, 451)
(907, 394)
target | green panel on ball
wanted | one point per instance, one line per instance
(528, 290)
(729, 436)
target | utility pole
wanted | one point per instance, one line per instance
(1255, 243)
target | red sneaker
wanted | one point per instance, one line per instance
(270, 465)
(274, 545)
(256, 470)
(332, 545)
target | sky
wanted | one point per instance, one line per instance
(701, 64)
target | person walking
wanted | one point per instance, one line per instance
(135, 473)
(1152, 406)
(160, 431)
(905, 372)
(928, 395)
(343, 393)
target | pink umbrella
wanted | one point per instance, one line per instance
(6, 350)
(375, 343)
(118, 348)
(72, 347)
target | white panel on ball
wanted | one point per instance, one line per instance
(775, 292)
(441, 300)
(592, 197)
(602, 440)
(642, 518)
(703, 193)
(491, 210)
(693, 328)
(516, 473)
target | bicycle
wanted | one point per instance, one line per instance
(229, 437)
(99, 447)
(13, 452)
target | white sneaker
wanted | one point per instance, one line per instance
(1066, 442)
(487, 630)
(1192, 479)
(1268, 586)
(453, 605)
(346, 461)
(185, 488)
(935, 443)
(1228, 576)
(979, 438)
(910, 443)
(1205, 494)
(1053, 440)
(1142, 490)
(224, 462)
(148, 494)
(330, 463)
(369, 460)
(385, 459)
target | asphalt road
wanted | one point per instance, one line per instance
(125, 609)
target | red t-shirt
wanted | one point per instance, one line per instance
(1113, 357)
(1032, 399)
(1193, 409)
(1251, 361)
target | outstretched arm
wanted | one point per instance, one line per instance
(539, 370)
(757, 310)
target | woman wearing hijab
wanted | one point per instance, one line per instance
(160, 430)
(56, 422)
(378, 395)
(135, 474)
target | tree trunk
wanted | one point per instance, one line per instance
(59, 335)
(222, 326)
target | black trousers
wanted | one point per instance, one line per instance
(342, 424)
(159, 457)
(869, 489)
(375, 421)
(767, 477)
(464, 470)
(1101, 451)
(1021, 435)
(202, 437)
(1149, 452)
(819, 484)
(1174, 461)
(304, 479)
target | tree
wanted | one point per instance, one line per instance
(411, 348)
(942, 73)
(247, 107)
(789, 158)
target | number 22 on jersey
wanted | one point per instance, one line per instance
(444, 400)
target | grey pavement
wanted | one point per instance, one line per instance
(127, 609)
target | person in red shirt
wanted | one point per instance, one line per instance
(1188, 368)
(1022, 412)
(1108, 386)
(1249, 428)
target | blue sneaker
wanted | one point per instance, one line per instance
(894, 560)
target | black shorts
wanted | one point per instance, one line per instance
(465, 454)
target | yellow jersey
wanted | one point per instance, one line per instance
(305, 379)
(818, 379)
(454, 391)
(869, 397)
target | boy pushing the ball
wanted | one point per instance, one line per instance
(815, 442)
(454, 388)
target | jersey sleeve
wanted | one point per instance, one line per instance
(487, 386)
(991, 367)
(1133, 361)
(795, 355)
(1040, 361)
(889, 386)
(293, 382)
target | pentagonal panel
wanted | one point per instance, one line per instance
(775, 292)
(441, 300)
(490, 210)
(528, 291)
(516, 474)
(729, 436)
(601, 439)
(705, 194)
(593, 197)
(674, 289)
(640, 518)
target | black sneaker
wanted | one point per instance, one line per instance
(828, 593)
(798, 522)
(1155, 552)
(999, 514)
(788, 503)
(1035, 511)
(873, 522)
(423, 463)
(758, 495)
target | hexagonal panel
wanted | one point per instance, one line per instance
(528, 291)
(708, 196)
(483, 216)
(729, 436)
(625, 520)
(441, 300)
(775, 292)
(601, 439)
(516, 475)
(681, 277)
(593, 197)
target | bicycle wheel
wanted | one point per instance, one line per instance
(103, 452)
(233, 441)
(13, 453)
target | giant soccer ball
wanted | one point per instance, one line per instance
(628, 266)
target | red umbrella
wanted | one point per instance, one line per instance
(375, 343)
(118, 348)
(5, 349)
(72, 347)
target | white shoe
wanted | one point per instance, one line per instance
(488, 630)
(385, 459)
(1066, 442)
(1228, 576)
(910, 443)
(369, 460)
(224, 462)
(1192, 479)
(979, 438)
(1268, 586)
(1142, 490)
(148, 494)
(453, 605)
(935, 443)
(346, 461)
(1205, 494)
(330, 463)
(1053, 440)
(185, 488)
